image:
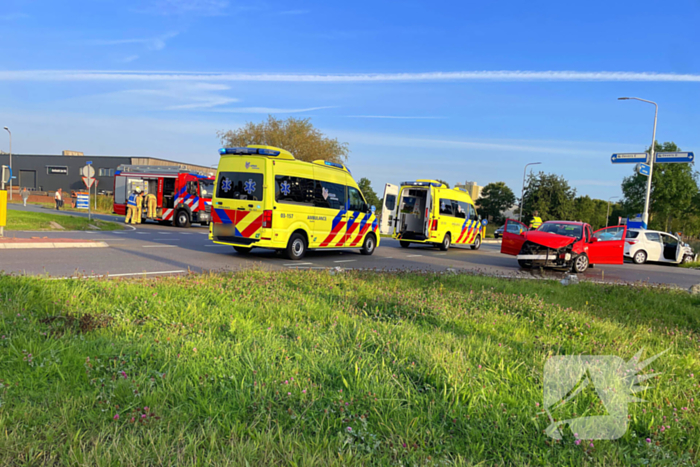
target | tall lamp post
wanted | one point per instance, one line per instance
(651, 154)
(8, 130)
(607, 216)
(522, 192)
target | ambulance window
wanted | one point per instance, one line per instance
(329, 195)
(294, 190)
(472, 211)
(240, 185)
(390, 202)
(356, 201)
(460, 209)
(446, 207)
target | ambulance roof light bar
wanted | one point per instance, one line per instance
(435, 184)
(248, 151)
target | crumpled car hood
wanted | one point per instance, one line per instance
(547, 239)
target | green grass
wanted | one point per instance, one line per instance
(21, 220)
(105, 204)
(692, 264)
(311, 368)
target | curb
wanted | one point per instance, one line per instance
(24, 246)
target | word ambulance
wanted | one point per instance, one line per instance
(182, 197)
(266, 198)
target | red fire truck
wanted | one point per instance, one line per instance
(183, 197)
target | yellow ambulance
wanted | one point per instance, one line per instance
(266, 198)
(426, 211)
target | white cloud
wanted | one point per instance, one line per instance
(599, 76)
(186, 7)
(269, 110)
(394, 117)
(151, 43)
(13, 16)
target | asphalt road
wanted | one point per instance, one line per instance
(151, 249)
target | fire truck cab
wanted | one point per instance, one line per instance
(182, 197)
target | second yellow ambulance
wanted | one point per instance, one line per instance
(426, 211)
(266, 198)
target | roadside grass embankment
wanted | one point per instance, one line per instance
(24, 220)
(105, 204)
(317, 368)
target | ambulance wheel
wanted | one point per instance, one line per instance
(580, 264)
(296, 248)
(368, 245)
(477, 243)
(445, 245)
(404, 244)
(182, 219)
(242, 250)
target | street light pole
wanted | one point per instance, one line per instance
(8, 130)
(651, 154)
(608, 212)
(522, 192)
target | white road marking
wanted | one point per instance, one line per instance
(185, 233)
(440, 254)
(160, 246)
(295, 264)
(143, 233)
(346, 261)
(178, 271)
(412, 256)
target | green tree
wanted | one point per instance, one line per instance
(673, 190)
(550, 195)
(370, 196)
(296, 135)
(591, 211)
(495, 199)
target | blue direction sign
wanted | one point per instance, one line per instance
(674, 157)
(631, 158)
(643, 169)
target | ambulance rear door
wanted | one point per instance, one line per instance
(390, 202)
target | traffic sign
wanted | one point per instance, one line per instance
(630, 158)
(642, 169)
(674, 157)
(88, 181)
(88, 171)
(6, 174)
(83, 201)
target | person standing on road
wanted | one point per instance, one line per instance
(131, 208)
(536, 221)
(58, 198)
(151, 199)
(25, 195)
(139, 205)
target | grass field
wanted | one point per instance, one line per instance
(105, 204)
(316, 368)
(21, 220)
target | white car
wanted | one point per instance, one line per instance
(651, 245)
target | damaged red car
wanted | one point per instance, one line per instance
(564, 245)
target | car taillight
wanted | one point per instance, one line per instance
(433, 224)
(632, 242)
(267, 220)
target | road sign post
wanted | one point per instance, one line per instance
(88, 178)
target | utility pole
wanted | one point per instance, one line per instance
(651, 156)
(8, 130)
(607, 216)
(522, 192)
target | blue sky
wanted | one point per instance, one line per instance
(451, 90)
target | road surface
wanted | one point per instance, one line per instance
(153, 249)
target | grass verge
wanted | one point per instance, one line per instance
(21, 220)
(316, 368)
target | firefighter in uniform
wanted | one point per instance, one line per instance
(151, 200)
(139, 205)
(131, 208)
(536, 221)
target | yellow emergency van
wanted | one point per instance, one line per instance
(266, 198)
(426, 211)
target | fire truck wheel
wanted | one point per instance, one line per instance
(242, 250)
(182, 218)
(296, 248)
